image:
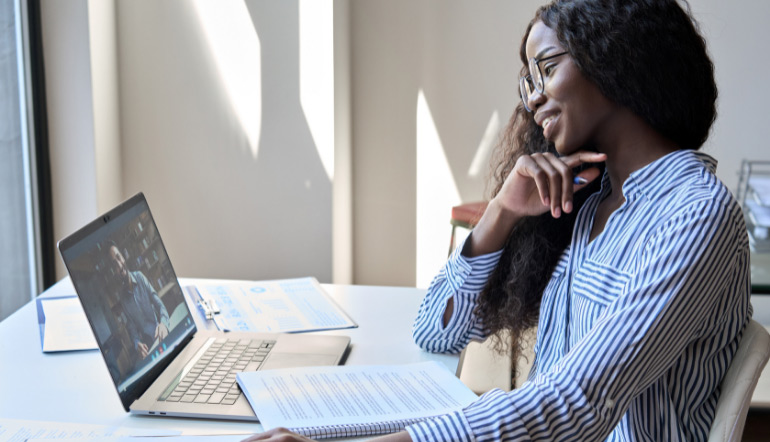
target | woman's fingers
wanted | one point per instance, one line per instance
(277, 435)
(554, 178)
(586, 176)
(531, 168)
(583, 156)
(554, 171)
(544, 181)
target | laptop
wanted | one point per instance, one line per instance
(160, 362)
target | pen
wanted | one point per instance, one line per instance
(579, 180)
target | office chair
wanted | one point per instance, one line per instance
(465, 216)
(481, 369)
(739, 383)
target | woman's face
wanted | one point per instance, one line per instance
(571, 110)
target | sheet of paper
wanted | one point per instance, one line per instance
(155, 438)
(349, 395)
(14, 430)
(66, 325)
(288, 305)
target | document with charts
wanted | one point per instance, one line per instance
(16, 430)
(352, 400)
(275, 306)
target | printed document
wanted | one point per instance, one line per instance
(235, 437)
(64, 325)
(352, 400)
(277, 306)
(14, 430)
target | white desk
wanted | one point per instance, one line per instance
(76, 387)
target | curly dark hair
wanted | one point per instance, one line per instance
(646, 55)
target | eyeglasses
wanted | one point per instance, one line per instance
(535, 81)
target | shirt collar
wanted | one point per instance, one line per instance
(663, 173)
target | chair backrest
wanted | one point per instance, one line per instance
(739, 383)
(481, 368)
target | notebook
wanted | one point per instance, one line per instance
(353, 401)
(160, 363)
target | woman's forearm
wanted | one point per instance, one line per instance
(491, 232)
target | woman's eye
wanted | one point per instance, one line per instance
(549, 68)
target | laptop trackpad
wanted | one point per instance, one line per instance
(287, 360)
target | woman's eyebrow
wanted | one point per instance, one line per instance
(543, 52)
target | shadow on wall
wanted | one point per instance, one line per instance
(215, 135)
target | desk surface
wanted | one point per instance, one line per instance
(76, 387)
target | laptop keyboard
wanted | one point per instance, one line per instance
(212, 379)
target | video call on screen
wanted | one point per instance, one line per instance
(130, 293)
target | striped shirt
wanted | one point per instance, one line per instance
(637, 327)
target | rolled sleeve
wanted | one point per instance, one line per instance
(461, 279)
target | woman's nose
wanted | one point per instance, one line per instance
(535, 99)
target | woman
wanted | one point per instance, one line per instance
(638, 281)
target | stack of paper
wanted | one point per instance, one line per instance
(63, 325)
(757, 210)
(341, 401)
(15, 430)
(275, 306)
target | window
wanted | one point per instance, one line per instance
(23, 236)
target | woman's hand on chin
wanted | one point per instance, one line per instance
(543, 181)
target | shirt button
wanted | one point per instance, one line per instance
(609, 403)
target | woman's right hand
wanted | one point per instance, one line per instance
(543, 181)
(538, 183)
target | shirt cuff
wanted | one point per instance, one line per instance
(448, 428)
(470, 274)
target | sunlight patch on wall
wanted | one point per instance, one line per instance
(487, 143)
(316, 73)
(235, 47)
(436, 194)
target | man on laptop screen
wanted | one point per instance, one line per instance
(160, 362)
(148, 320)
(129, 290)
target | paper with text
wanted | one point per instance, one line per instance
(66, 326)
(235, 437)
(276, 306)
(298, 398)
(15, 430)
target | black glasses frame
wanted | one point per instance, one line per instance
(528, 84)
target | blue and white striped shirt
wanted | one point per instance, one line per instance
(636, 327)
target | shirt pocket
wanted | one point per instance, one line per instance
(597, 284)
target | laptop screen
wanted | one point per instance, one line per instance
(130, 294)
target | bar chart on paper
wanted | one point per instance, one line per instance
(285, 306)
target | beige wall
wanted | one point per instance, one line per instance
(236, 194)
(226, 212)
(462, 55)
(226, 207)
(736, 33)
